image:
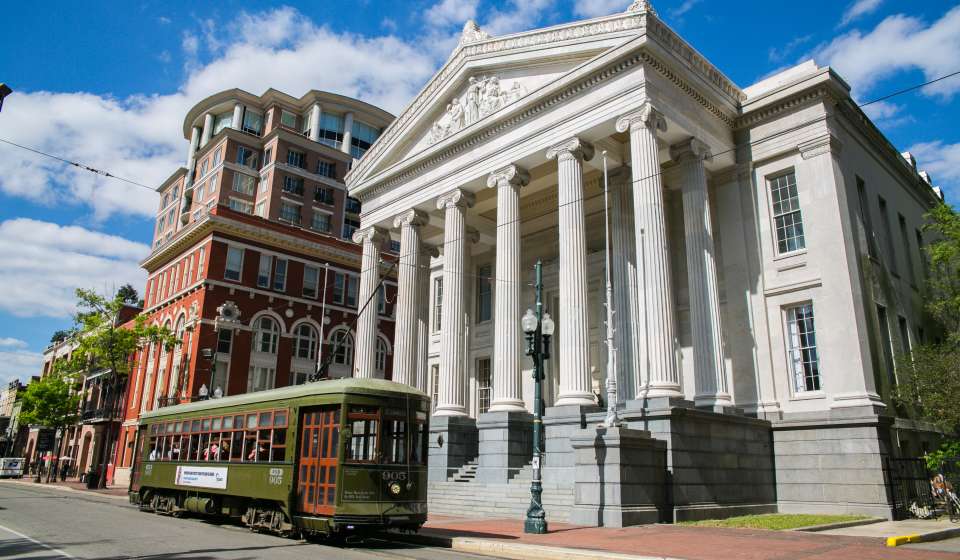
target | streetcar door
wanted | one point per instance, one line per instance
(317, 460)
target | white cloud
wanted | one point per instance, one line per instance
(683, 8)
(9, 342)
(20, 365)
(896, 44)
(44, 263)
(596, 8)
(451, 12)
(521, 15)
(859, 9)
(140, 137)
(942, 162)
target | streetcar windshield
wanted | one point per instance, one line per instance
(386, 436)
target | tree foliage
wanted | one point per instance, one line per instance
(128, 294)
(51, 402)
(61, 335)
(929, 377)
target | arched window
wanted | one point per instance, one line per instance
(306, 342)
(381, 355)
(266, 335)
(179, 330)
(342, 347)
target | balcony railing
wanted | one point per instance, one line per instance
(101, 414)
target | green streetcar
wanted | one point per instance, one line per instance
(325, 458)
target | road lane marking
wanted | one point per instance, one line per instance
(35, 541)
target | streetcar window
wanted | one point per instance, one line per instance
(251, 421)
(196, 426)
(238, 422)
(215, 425)
(266, 419)
(395, 441)
(418, 452)
(170, 428)
(228, 422)
(178, 427)
(280, 418)
(250, 446)
(363, 439)
(206, 424)
(278, 450)
(236, 446)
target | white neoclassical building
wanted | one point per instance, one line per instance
(766, 262)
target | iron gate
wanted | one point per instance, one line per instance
(909, 484)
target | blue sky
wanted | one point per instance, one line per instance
(108, 84)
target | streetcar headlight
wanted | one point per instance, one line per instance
(395, 488)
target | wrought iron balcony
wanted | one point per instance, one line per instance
(101, 414)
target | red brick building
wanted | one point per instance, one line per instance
(253, 266)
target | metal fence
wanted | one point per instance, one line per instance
(909, 484)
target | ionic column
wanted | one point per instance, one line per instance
(710, 373)
(408, 296)
(656, 375)
(574, 328)
(315, 112)
(187, 196)
(365, 353)
(452, 346)
(207, 129)
(507, 384)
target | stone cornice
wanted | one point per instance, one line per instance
(669, 74)
(824, 145)
(223, 224)
(789, 104)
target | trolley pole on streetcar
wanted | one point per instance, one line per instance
(538, 328)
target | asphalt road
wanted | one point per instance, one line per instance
(39, 522)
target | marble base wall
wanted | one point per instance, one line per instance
(833, 462)
(720, 464)
(453, 442)
(505, 445)
(621, 477)
(559, 424)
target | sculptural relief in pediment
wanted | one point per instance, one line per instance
(484, 96)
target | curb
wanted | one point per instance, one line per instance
(519, 551)
(52, 486)
(838, 525)
(925, 537)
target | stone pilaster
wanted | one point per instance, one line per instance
(710, 372)
(237, 121)
(207, 129)
(506, 366)
(656, 374)
(315, 112)
(452, 344)
(365, 354)
(187, 197)
(573, 328)
(408, 296)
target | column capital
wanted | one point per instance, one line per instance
(647, 117)
(571, 147)
(510, 175)
(457, 197)
(372, 234)
(691, 148)
(412, 217)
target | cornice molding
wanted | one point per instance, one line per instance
(825, 144)
(803, 98)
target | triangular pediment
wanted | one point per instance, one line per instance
(485, 77)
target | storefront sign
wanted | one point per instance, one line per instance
(202, 477)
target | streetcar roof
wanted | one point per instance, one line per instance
(332, 386)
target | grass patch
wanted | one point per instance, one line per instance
(774, 521)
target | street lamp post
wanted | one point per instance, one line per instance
(538, 328)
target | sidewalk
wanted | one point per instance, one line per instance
(908, 530)
(116, 491)
(505, 538)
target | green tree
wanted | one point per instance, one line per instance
(929, 377)
(61, 335)
(51, 402)
(106, 344)
(128, 294)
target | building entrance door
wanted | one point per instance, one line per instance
(317, 461)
